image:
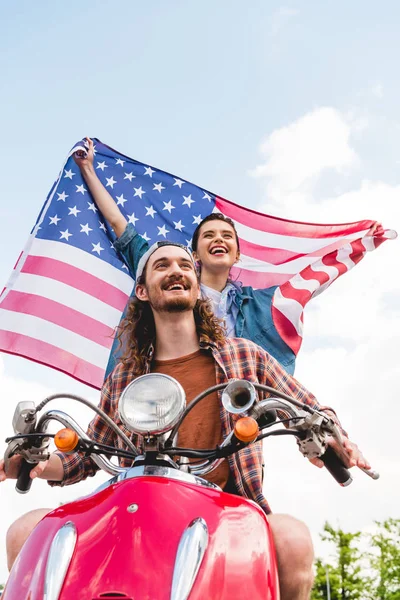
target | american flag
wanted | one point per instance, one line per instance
(69, 286)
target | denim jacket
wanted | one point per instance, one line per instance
(254, 321)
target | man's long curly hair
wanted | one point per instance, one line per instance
(137, 333)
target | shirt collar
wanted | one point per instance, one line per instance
(203, 343)
(231, 286)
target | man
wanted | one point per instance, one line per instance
(169, 330)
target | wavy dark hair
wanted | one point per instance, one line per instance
(137, 333)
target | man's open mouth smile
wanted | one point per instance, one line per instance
(175, 287)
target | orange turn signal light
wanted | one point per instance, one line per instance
(246, 429)
(66, 440)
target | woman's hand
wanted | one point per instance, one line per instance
(375, 229)
(85, 162)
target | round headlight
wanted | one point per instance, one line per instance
(152, 404)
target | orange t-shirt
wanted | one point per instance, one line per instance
(202, 427)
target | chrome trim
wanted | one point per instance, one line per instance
(238, 396)
(58, 415)
(157, 471)
(205, 467)
(180, 401)
(276, 404)
(370, 472)
(199, 470)
(192, 547)
(348, 482)
(128, 442)
(58, 560)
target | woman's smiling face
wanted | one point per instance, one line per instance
(217, 247)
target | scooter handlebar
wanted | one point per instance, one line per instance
(336, 467)
(24, 480)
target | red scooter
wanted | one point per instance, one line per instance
(158, 530)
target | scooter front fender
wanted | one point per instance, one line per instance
(128, 536)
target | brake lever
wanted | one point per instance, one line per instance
(334, 429)
(370, 472)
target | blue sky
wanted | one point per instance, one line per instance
(290, 108)
(191, 87)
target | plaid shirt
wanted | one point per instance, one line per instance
(235, 359)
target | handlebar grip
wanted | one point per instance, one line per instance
(336, 467)
(24, 480)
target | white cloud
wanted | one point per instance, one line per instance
(375, 200)
(296, 155)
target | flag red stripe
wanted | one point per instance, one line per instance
(274, 256)
(269, 224)
(358, 251)
(304, 295)
(378, 240)
(329, 248)
(76, 278)
(286, 330)
(331, 261)
(321, 276)
(301, 296)
(258, 279)
(51, 356)
(279, 256)
(59, 314)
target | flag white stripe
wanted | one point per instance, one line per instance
(332, 273)
(320, 267)
(299, 283)
(84, 261)
(292, 243)
(324, 286)
(68, 296)
(368, 240)
(289, 268)
(55, 335)
(291, 309)
(343, 256)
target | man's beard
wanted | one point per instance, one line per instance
(176, 305)
(171, 305)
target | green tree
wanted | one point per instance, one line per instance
(345, 577)
(325, 575)
(385, 561)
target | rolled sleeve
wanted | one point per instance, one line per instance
(77, 467)
(131, 245)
